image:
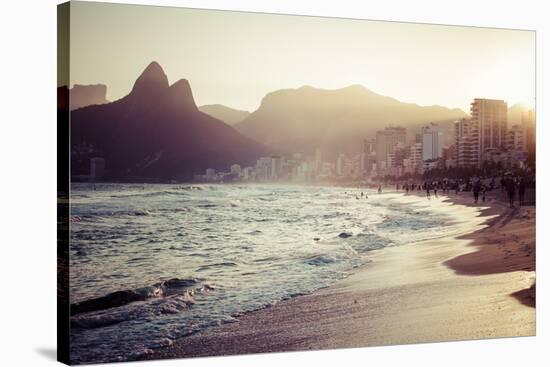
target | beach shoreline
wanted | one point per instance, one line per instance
(475, 284)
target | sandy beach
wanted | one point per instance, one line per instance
(472, 285)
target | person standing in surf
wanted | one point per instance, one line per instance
(476, 189)
(427, 187)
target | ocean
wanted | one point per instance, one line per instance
(152, 263)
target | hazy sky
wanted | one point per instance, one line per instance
(237, 58)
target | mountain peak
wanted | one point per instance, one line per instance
(182, 94)
(357, 87)
(152, 80)
(154, 70)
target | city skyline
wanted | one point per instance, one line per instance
(484, 139)
(300, 51)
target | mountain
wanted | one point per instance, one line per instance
(87, 95)
(228, 115)
(335, 120)
(155, 133)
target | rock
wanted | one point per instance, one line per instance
(345, 235)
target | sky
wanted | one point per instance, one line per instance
(236, 58)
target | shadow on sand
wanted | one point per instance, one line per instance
(506, 245)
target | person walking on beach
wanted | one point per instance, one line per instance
(510, 190)
(483, 191)
(427, 187)
(380, 188)
(521, 191)
(476, 189)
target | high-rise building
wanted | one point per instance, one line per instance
(490, 118)
(432, 142)
(528, 122)
(483, 135)
(386, 142)
(248, 173)
(276, 166)
(368, 156)
(235, 169)
(516, 139)
(340, 162)
(466, 144)
(318, 160)
(415, 158)
(263, 168)
(210, 174)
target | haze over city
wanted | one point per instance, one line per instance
(237, 58)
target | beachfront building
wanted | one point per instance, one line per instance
(353, 166)
(235, 169)
(482, 137)
(516, 139)
(276, 166)
(490, 119)
(318, 160)
(386, 142)
(248, 174)
(414, 162)
(327, 169)
(210, 174)
(340, 162)
(448, 157)
(528, 122)
(304, 171)
(432, 142)
(368, 156)
(263, 168)
(466, 143)
(516, 146)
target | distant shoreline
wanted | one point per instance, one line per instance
(478, 284)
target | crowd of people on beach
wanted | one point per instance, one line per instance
(512, 187)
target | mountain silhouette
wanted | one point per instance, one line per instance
(155, 133)
(298, 120)
(87, 95)
(228, 115)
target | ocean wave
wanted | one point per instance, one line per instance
(320, 260)
(151, 194)
(169, 305)
(124, 297)
(258, 245)
(116, 214)
(216, 265)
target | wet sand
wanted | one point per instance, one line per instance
(479, 284)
